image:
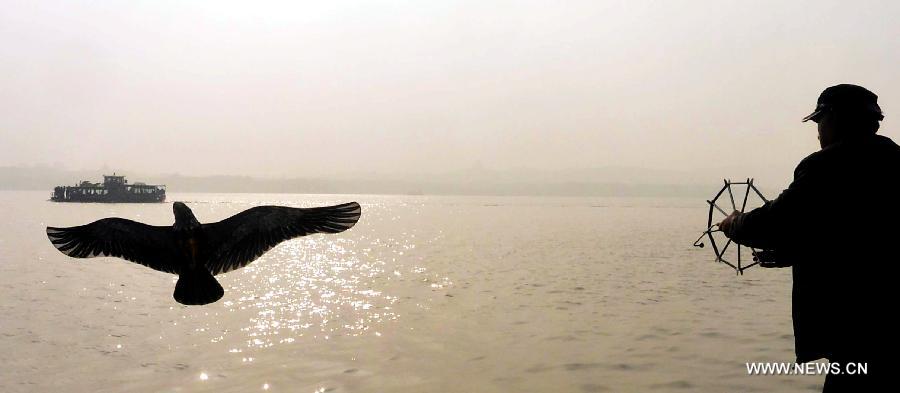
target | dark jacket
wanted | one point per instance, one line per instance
(838, 226)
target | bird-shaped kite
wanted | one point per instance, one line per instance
(196, 252)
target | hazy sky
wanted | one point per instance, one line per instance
(327, 87)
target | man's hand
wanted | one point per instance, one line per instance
(725, 225)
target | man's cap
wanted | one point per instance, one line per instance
(847, 98)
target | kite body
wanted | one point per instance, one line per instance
(196, 252)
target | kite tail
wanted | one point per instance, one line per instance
(197, 287)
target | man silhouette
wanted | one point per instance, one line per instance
(834, 224)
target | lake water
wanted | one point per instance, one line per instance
(425, 294)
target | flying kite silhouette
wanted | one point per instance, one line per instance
(196, 252)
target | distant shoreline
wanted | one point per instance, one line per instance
(424, 194)
(466, 183)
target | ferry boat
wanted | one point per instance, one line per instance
(114, 189)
